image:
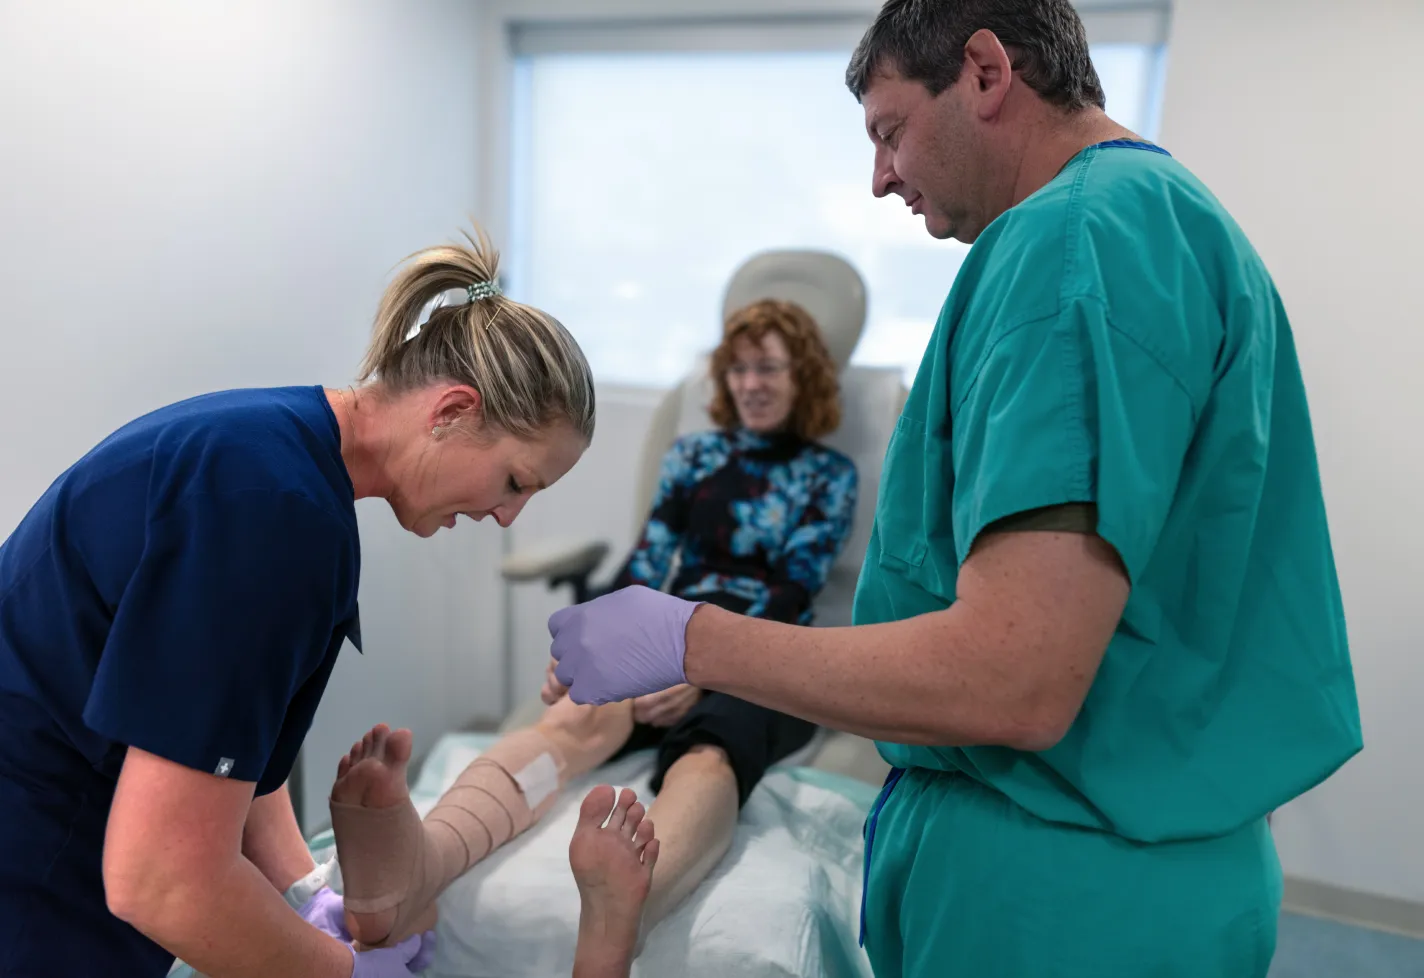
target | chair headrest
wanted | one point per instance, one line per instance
(825, 285)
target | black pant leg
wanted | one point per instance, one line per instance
(753, 738)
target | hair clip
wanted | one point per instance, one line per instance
(482, 290)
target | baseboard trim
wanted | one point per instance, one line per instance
(1404, 917)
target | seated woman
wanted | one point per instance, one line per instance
(756, 512)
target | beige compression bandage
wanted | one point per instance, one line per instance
(391, 859)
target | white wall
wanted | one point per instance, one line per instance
(196, 196)
(1304, 118)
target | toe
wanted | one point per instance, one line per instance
(596, 806)
(626, 797)
(342, 766)
(650, 855)
(634, 819)
(644, 834)
(398, 745)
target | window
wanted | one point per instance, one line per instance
(645, 173)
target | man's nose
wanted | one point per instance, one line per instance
(883, 179)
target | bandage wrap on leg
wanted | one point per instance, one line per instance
(390, 859)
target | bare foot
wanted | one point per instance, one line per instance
(373, 776)
(613, 867)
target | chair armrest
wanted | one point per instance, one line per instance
(553, 560)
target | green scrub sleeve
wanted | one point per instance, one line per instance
(1070, 410)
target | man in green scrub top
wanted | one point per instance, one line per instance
(1098, 632)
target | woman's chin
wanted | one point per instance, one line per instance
(425, 528)
(763, 426)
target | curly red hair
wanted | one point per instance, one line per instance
(817, 411)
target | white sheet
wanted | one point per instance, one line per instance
(784, 903)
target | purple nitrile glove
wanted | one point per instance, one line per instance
(402, 961)
(426, 955)
(326, 912)
(622, 645)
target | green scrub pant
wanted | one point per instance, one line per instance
(962, 882)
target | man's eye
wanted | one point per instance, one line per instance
(514, 487)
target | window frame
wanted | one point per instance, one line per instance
(504, 24)
(509, 29)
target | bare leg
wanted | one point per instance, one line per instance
(613, 867)
(395, 866)
(696, 815)
(586, 735)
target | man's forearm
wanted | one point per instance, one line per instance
(236, 925)
(273, 841)
(918, 681)
(1009, 663)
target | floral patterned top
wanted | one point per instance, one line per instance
(756, 520)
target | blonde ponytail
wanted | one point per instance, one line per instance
(527, 367)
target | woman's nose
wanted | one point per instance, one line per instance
(505, 513)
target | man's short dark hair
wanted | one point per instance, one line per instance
(924, 41)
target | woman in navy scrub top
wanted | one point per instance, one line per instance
(171, 608)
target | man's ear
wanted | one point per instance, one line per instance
(989, 71)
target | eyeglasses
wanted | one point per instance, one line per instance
(762, 368)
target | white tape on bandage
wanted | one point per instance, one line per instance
(305, 888)
(538, 780)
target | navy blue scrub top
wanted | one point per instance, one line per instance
(184, 589)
